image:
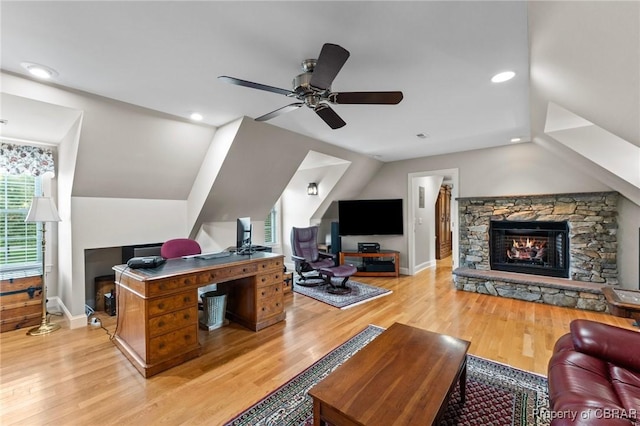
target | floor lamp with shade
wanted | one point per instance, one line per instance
(43, 210)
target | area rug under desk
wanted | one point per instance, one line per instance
(496, 393)
(360, 293)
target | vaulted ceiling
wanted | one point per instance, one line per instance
(167, 56)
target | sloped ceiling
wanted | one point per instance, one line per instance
(166, 56)
(31, 120)
(585, 58)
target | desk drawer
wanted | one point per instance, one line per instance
(173, 343)
(269, 264)
(172, 321)
(269, 307)
(162, 286)
(163, 305)
(268, 279)
(269, 291)
(224, 274)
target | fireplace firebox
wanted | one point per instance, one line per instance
(530, 247)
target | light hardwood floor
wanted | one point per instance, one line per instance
(79, 377)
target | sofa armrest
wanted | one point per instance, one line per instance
(616, 345)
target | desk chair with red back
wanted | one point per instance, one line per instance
(179, 247)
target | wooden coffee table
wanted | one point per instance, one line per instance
(403, 377)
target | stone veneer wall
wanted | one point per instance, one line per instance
(592, 221)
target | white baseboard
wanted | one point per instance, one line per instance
(74, 321)
(425, 265)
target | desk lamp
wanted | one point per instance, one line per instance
(43, 210)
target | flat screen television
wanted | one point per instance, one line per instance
(370, 217)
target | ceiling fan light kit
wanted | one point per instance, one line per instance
(313, 88)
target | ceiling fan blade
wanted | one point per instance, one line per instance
(329, 116)
(280, 111)
(380, 98)
(253, 85)
(332, 58)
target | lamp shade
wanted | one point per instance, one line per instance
(42, 210)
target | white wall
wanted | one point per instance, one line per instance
(67, 155)
(219, 236)
(628, 244)
(115, 222)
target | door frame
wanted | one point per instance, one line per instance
(451, 176)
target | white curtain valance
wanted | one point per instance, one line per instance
(25, 159)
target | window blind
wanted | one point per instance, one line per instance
(20, 247)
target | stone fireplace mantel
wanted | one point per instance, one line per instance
(592, 219)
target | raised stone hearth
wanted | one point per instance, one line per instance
(533, 288)
(592, 247)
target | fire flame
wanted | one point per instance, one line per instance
(529, 249)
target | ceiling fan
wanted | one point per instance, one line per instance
(313, 88)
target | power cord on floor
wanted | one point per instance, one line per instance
(96, 322)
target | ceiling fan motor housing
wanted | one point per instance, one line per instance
(302, 84)
(304, 91)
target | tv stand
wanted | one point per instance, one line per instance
(385, 263)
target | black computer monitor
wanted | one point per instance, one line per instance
(243, 235)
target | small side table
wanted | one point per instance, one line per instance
(623, 303)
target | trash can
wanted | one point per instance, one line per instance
(214, 307)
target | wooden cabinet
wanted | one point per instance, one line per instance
(443, 223)
(104, 284)
(20, 302)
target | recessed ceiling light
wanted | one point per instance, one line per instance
(40, 71)
(514, 140)
(196, 116)
(503, 76)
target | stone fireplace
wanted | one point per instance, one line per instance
(558, 249)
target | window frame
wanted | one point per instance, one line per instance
(272, 225)
(12, 218)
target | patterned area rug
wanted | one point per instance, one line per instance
(360, 293)
(496, 394)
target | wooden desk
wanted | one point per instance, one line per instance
(403, 377)
(157, 324)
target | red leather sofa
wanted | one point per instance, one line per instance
(594, 376)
